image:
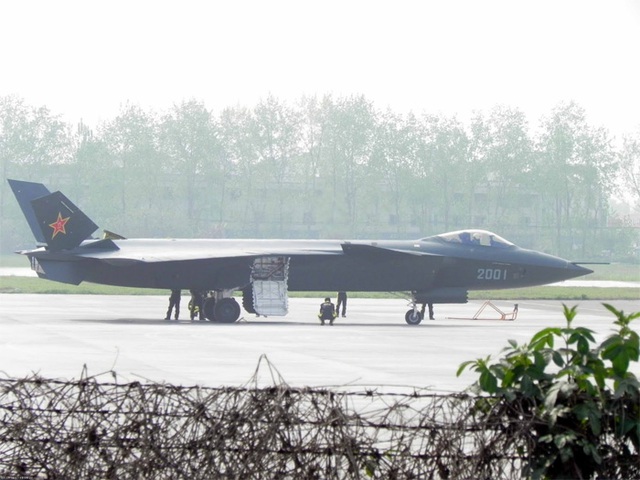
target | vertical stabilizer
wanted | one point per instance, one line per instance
(25, 192)
(63, 225)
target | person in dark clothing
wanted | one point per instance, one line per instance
(327, 311)
(174, 303)
(342, 301)
(424, 306)
(195, 305)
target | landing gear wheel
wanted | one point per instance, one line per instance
(412, 317)
(226, 310)
(208, 308)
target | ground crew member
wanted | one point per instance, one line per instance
(342, 300)
(174, 302)
(327, 311)
(195, 305)
(424, 306)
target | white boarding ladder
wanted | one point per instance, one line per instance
(269, 280)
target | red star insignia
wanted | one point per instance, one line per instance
(58, 226)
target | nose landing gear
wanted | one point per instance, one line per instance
(413, 316)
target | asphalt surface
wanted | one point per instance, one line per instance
(56, 336)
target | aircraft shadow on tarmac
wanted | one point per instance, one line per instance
(170, 323)
(273, 323)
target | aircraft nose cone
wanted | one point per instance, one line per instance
(547, 269)
(577, 270)
(560, 270)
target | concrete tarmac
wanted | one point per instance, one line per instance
(56, 335)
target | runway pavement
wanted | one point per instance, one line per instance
(56, 335)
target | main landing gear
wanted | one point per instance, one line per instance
(226, 310)
(221, 307)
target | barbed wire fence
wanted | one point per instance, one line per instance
(97, 427)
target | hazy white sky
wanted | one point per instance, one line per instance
(83, 59)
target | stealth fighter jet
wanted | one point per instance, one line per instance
(436, 269)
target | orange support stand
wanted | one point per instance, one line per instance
(503, 316)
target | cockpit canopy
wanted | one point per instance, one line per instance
(474, 237)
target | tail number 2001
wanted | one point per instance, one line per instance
(492, 274)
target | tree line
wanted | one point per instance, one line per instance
(328, 167)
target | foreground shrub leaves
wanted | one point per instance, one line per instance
(580, 398)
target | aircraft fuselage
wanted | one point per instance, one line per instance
(315, 265)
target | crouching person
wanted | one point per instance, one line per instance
(327, 311)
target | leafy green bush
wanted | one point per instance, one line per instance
(580, 400)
